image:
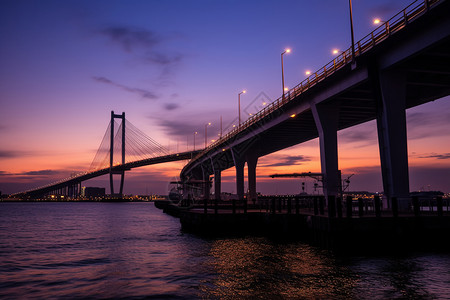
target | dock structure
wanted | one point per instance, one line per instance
(345, 224)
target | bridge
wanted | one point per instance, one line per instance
(403, 63)
(123, 148)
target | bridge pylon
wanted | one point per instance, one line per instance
(112, 171)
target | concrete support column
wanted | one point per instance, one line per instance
(252, 160)
(206, 186)
(217, 184)
(239, 163)
(326, 118)
(392, 137)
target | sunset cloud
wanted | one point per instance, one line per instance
(289, 161)
(146, 94)
(171, 106)
(41, 173)
(437, 156)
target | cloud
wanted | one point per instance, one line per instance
(40, 173)
(178, 128)
(8, 154)
(437, 156)
(290, 160)
(425, 125)
(171, 106)
(141, 92)
(33, 173)
(162, 59)
(184, 125)
(131, 38)
(357, 136)
(363, 134)
(143, 42)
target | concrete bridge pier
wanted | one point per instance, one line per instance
(206, 186)
(239, 163)
(252, 160)
(217, 184)
(326, 118)
(392, 137)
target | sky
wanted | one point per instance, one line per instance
(172, 67)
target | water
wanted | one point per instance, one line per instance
(133, 250)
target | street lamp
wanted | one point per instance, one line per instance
(378, 21)
(282, 70)
(195, 133)
(239, 105)
(351, 28)
(206, 133)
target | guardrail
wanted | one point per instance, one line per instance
(381, 33)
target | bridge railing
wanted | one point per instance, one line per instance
(381, 33)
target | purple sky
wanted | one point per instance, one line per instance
(174, 66)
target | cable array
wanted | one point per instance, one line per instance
(102, 154)
(138, 146)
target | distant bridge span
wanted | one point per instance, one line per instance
(403, 63)
(71, 184)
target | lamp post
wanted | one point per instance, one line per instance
(351, 28)
(282, 70)
(239, 105)
(206, 133)
(220, 136)
(195, 133)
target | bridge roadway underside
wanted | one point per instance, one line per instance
(409, 68)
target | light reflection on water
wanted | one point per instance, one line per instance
(133, 250)
(259, 268)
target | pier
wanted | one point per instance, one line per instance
(349, 224)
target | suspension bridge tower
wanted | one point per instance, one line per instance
(113, 170)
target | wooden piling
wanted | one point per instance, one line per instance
(377, 206)
(349, 204)
(360, 207)
(439, 205)
(416, 207)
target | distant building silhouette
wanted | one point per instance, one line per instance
(90, 192)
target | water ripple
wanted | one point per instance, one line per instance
(134, 251)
